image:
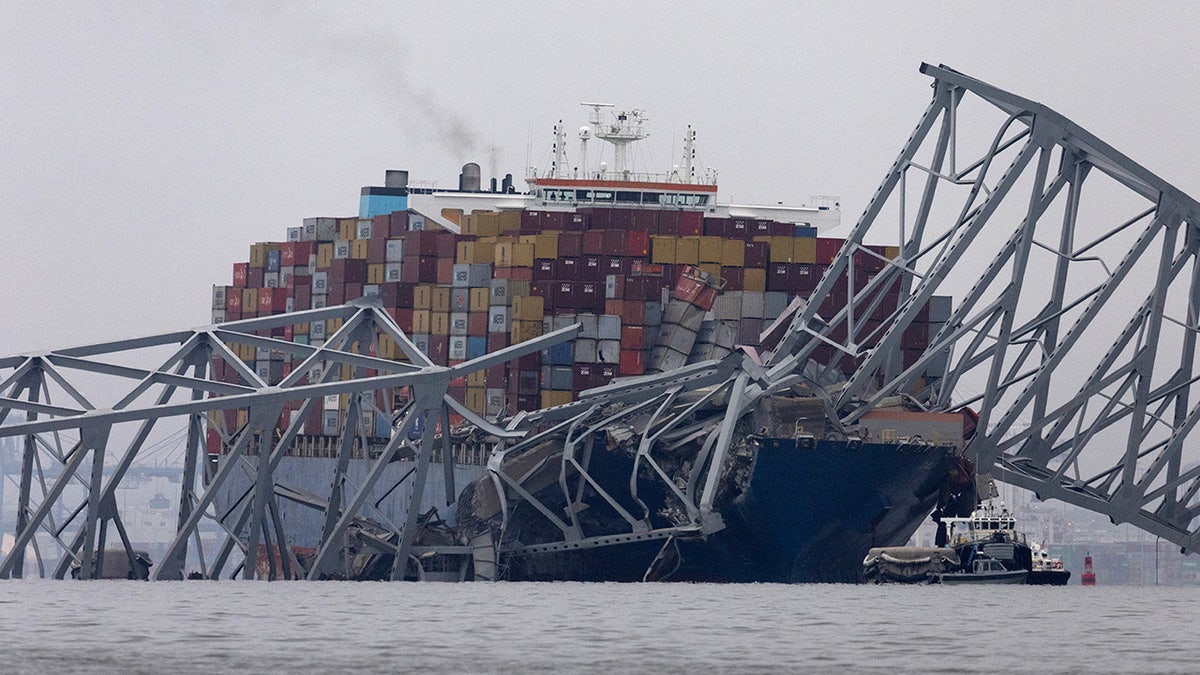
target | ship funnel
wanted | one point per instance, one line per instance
(468, 180)
(506, 185)
(395, 178)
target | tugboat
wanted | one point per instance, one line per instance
(1047, 570)
(989, 546)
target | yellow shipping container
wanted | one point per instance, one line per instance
(249, 299)
(423, 299)
(891, 252)
(300, 329)
(804, 250)
(712, 268)
(502, 256)
(324, 256)
(545, 246)
(440, 323)
(388, 349)
(528, 308)
(441, 299)
(332, 326)
(687, 251)
(522, 255)
(485, 251)
(523, 330)
(243, 417)
(464, 252)
(551, 398)
(375, 274)
(662, 250)
(781, 249)
(258, 255)
(710, 249)
(476, 400)
(510, 221)
(358, 249)
(347, 228)
(754, 279)
(733, 253)
(480, 299)
(477, 378)
(422, 321)
(487, 223)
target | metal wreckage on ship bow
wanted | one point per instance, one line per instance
(731, 469)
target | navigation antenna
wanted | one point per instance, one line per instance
(625, 129)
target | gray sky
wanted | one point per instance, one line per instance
(145, 146)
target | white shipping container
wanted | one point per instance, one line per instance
(364, 231)
(320, 283)
(329, 422)
(218, 316)
(332, 402)
(608, 351)
(416, 222)
(319, 301)
(498, 319)
(458, 323)
(295, 233)
(458, 348)
(753, 305)
(289, 304)
(271, 280)
(218, 298)
(341, 248)
(316, 330)
(395, 250)
(495, 401)
(587, 326)
(609, 327)
(585, 350)
(392, 272)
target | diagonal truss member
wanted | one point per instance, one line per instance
(1077, 302)
(48, 397)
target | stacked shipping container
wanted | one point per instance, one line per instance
(511, 276)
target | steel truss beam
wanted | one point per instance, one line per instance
(87, 392)
(1077, 340)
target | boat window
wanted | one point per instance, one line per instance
(602, 196)
(652, 197)
(583, 195)
(628, 197)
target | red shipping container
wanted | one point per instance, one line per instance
(421, 243)
(381, 227)
(396, 294)
(397, 224)
(604, 374)
(637, 243)
(301, 297)
(620, 219)
(543, 270)
(353, 292)
(254, 277)
(439, 349)
(669, 223)
(594, 243)
(579, 222)
(497, 341)
(272, 300)
(446, 244)
(477, 323)
(240, 274)
(805, 278)
(632, 362)
(716, 227)
(737, 228)
(376, 251)
(567, 269)
(761, 228)
(531, 221)
(615, 242)
(564, 295)
(233, 303)
(781, 229)
(555, 220)
(591, 270)
(346, 271)
(545, 291)
(779, 277)
(827, 249)
(757, 254)
(596, 218)
(403, 317)
(445, 270)
(687, 290)
(734, 278)
(520, 273)
(295, 281)
(582, 376)
(570, 244)
(633, 337)
(589, 295)
(691, 223)
(615, 265)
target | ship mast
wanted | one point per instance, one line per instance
(625, 129)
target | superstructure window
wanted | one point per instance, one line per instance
(628, 197)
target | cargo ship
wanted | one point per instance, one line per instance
(661, 278)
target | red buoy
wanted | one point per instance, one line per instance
(1089, 575)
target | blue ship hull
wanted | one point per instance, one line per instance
(809, 513)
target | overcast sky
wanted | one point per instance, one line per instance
(146, 145)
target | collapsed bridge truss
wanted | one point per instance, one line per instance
(1073, 334)
(1077, 301)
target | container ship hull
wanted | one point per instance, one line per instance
(809, 514)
